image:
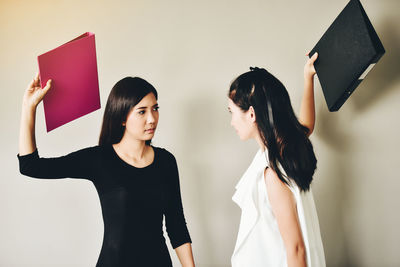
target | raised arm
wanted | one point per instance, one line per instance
(32, 97)
(307, 109)
(78, 164)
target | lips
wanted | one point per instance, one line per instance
(151, 130)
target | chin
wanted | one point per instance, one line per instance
(242, 138)
(148, 137)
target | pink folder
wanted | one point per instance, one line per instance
(75, 85)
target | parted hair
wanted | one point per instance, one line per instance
(125, 94)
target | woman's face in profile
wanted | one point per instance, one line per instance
(142, 120)
(241, 121)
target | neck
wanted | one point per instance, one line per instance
(259, 141)
(131, 148)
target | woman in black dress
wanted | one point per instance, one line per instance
(137, 183)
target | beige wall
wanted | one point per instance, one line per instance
(190, 51)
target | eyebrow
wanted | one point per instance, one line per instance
(156, 105)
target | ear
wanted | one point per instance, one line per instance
(252, 114)
(124, 123)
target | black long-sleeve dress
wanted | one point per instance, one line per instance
(133, 201)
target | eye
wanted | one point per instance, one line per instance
(141, 112)
(156, 108)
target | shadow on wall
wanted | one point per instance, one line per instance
(334, 130)
(379, 81)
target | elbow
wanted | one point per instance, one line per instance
(25, 172)
(30, 171)
(22, 171)
(310, 129)
(312, 126)
(29, 164)
(300, 251)
(297, 253)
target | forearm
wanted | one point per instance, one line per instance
(27, 141)
(185, 255)
(307, 109)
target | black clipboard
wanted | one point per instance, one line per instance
(347, 51)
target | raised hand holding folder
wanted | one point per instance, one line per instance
(75, 86)
(346, 53)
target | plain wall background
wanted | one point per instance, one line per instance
(190, 51)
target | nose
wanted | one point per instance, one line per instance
(151, 118)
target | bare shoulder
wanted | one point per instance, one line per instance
(278, 191)
(272, 180)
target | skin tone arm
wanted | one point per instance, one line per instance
(32, 97)
(185, 255)
(284, 208)
(307, 109)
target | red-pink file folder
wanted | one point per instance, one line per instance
(75, 84)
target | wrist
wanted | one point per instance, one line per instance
(28, 107)
(309, 76)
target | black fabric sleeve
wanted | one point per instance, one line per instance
(78, 164)
(174, 218)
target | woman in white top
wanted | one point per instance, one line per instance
(279, 224)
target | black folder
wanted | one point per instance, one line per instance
(347, 51)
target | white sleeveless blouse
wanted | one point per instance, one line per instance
(259, 242)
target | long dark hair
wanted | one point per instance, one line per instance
(282, 134)
(125, 94)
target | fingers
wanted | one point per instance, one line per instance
(47, 87)
(36, 81)
(31, 84)
(314, 57)
(309, 66)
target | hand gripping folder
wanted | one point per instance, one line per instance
(347, 51)
(75, 86)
